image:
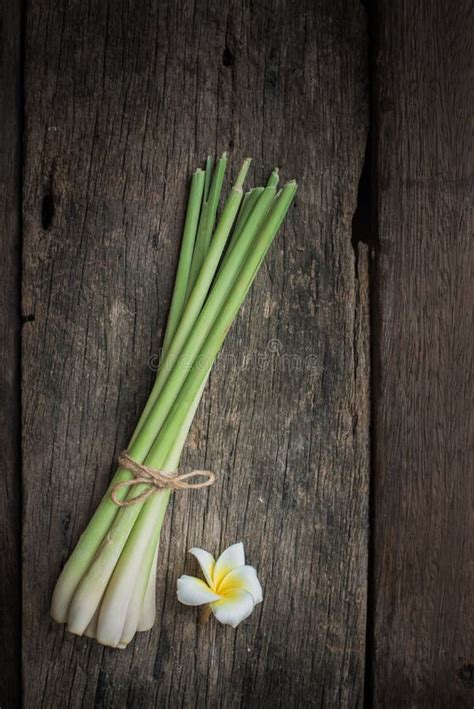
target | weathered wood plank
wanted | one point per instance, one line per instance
(121, 101)
(10, 211)
(424, 617)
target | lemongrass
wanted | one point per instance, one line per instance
(106, 589)
(85, 551)
(98, 577)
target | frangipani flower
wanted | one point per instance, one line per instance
(231, 588)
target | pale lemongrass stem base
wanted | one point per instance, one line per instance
(137, 600)
(126, 573)
(148, 614)
(91, 629)
(135, 607)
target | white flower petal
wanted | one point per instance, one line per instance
(234, 608)
(230, 559)
(194, 592)
(245, 577)
(206, 562)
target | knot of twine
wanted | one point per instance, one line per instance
(156, 480)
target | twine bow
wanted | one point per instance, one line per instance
(156, 480)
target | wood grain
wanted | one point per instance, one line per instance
(122, 101)
(10, 247)
(423, 427)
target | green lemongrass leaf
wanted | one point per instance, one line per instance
(274, 178)
(185, 257)
(207, 222)
(248, 203)
(208, 179)
(213, 202)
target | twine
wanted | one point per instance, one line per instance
(156, 480)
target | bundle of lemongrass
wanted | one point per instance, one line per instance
(107, 588)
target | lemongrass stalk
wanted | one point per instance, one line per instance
(274, 178)
(247, 205)
(199, 189)
(206, 222)
(203, 220)
(213, 200)
(93, 584)
(185, 256)
(208, 179)
(148, 611)
(90, 541)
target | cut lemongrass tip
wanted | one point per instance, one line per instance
(106, 590)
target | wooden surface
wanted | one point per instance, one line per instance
(121, 102)
(10, 480)
(423, 425)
